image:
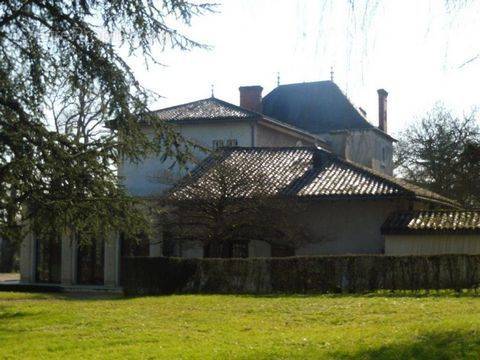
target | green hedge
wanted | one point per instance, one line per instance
(315, 274)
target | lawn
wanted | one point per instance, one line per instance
(245, 327)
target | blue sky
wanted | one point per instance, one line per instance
(413, 49)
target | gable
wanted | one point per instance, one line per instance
(206, 109)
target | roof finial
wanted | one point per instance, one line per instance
(278, 78)
(331, 73)
(212, 89)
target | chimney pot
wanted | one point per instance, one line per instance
(251, 97)
(382, 109)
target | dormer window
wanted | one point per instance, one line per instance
(216, 144)
(232, 142)
(221, 143)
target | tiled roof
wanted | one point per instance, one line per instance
(210, 108)
(307, 172)
(427, 222)
(216, 109)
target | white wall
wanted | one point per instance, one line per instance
(347, 227)
(152, 176)
(364, 147)
(268, 137)
(415, 244)
(336, 227)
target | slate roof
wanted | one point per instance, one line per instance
(317, 107)
(211, 108)
(307, 172)
(433, 222)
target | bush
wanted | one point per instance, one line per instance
(315, 274)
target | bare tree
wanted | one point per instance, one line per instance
(442, 152)
(227, 207)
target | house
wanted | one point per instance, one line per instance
(304, 114)
(346, 203)
(211, 123)
(346, 181)
(321, 108)
(432, 232)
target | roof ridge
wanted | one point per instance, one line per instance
(393, 181)
(179, 105)
(272, 148)
(307, 83)
(214, 99)
(223, 102)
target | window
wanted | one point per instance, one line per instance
(240, 249)
(48, 259)
(134, 247)
(90, 262)
(384, 156)
(232, 142)
(282, 250)
(227, 249)
(217, 144)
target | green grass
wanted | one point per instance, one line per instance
(244, 327)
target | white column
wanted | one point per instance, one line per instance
(69, 259)
(27, 259)
(112, 261)
(156, 242)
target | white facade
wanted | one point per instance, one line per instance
(368, 147)
(337, 227)
(153, 176)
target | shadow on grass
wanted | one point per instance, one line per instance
(467, 293)
(433, 345)
(67, 296)
(79, 296)
(6, 315)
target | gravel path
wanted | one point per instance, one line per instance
(9, 277)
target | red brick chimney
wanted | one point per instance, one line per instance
(382, 109)
(251, 97)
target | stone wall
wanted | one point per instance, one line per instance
(320, 274)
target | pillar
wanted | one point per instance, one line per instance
(69, 260)
(112, 260)
(27, 259)
(156, 241)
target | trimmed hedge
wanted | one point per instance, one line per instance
(315, 274)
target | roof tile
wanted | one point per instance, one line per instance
(210, 108)
(307, 172)
(427, 222)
